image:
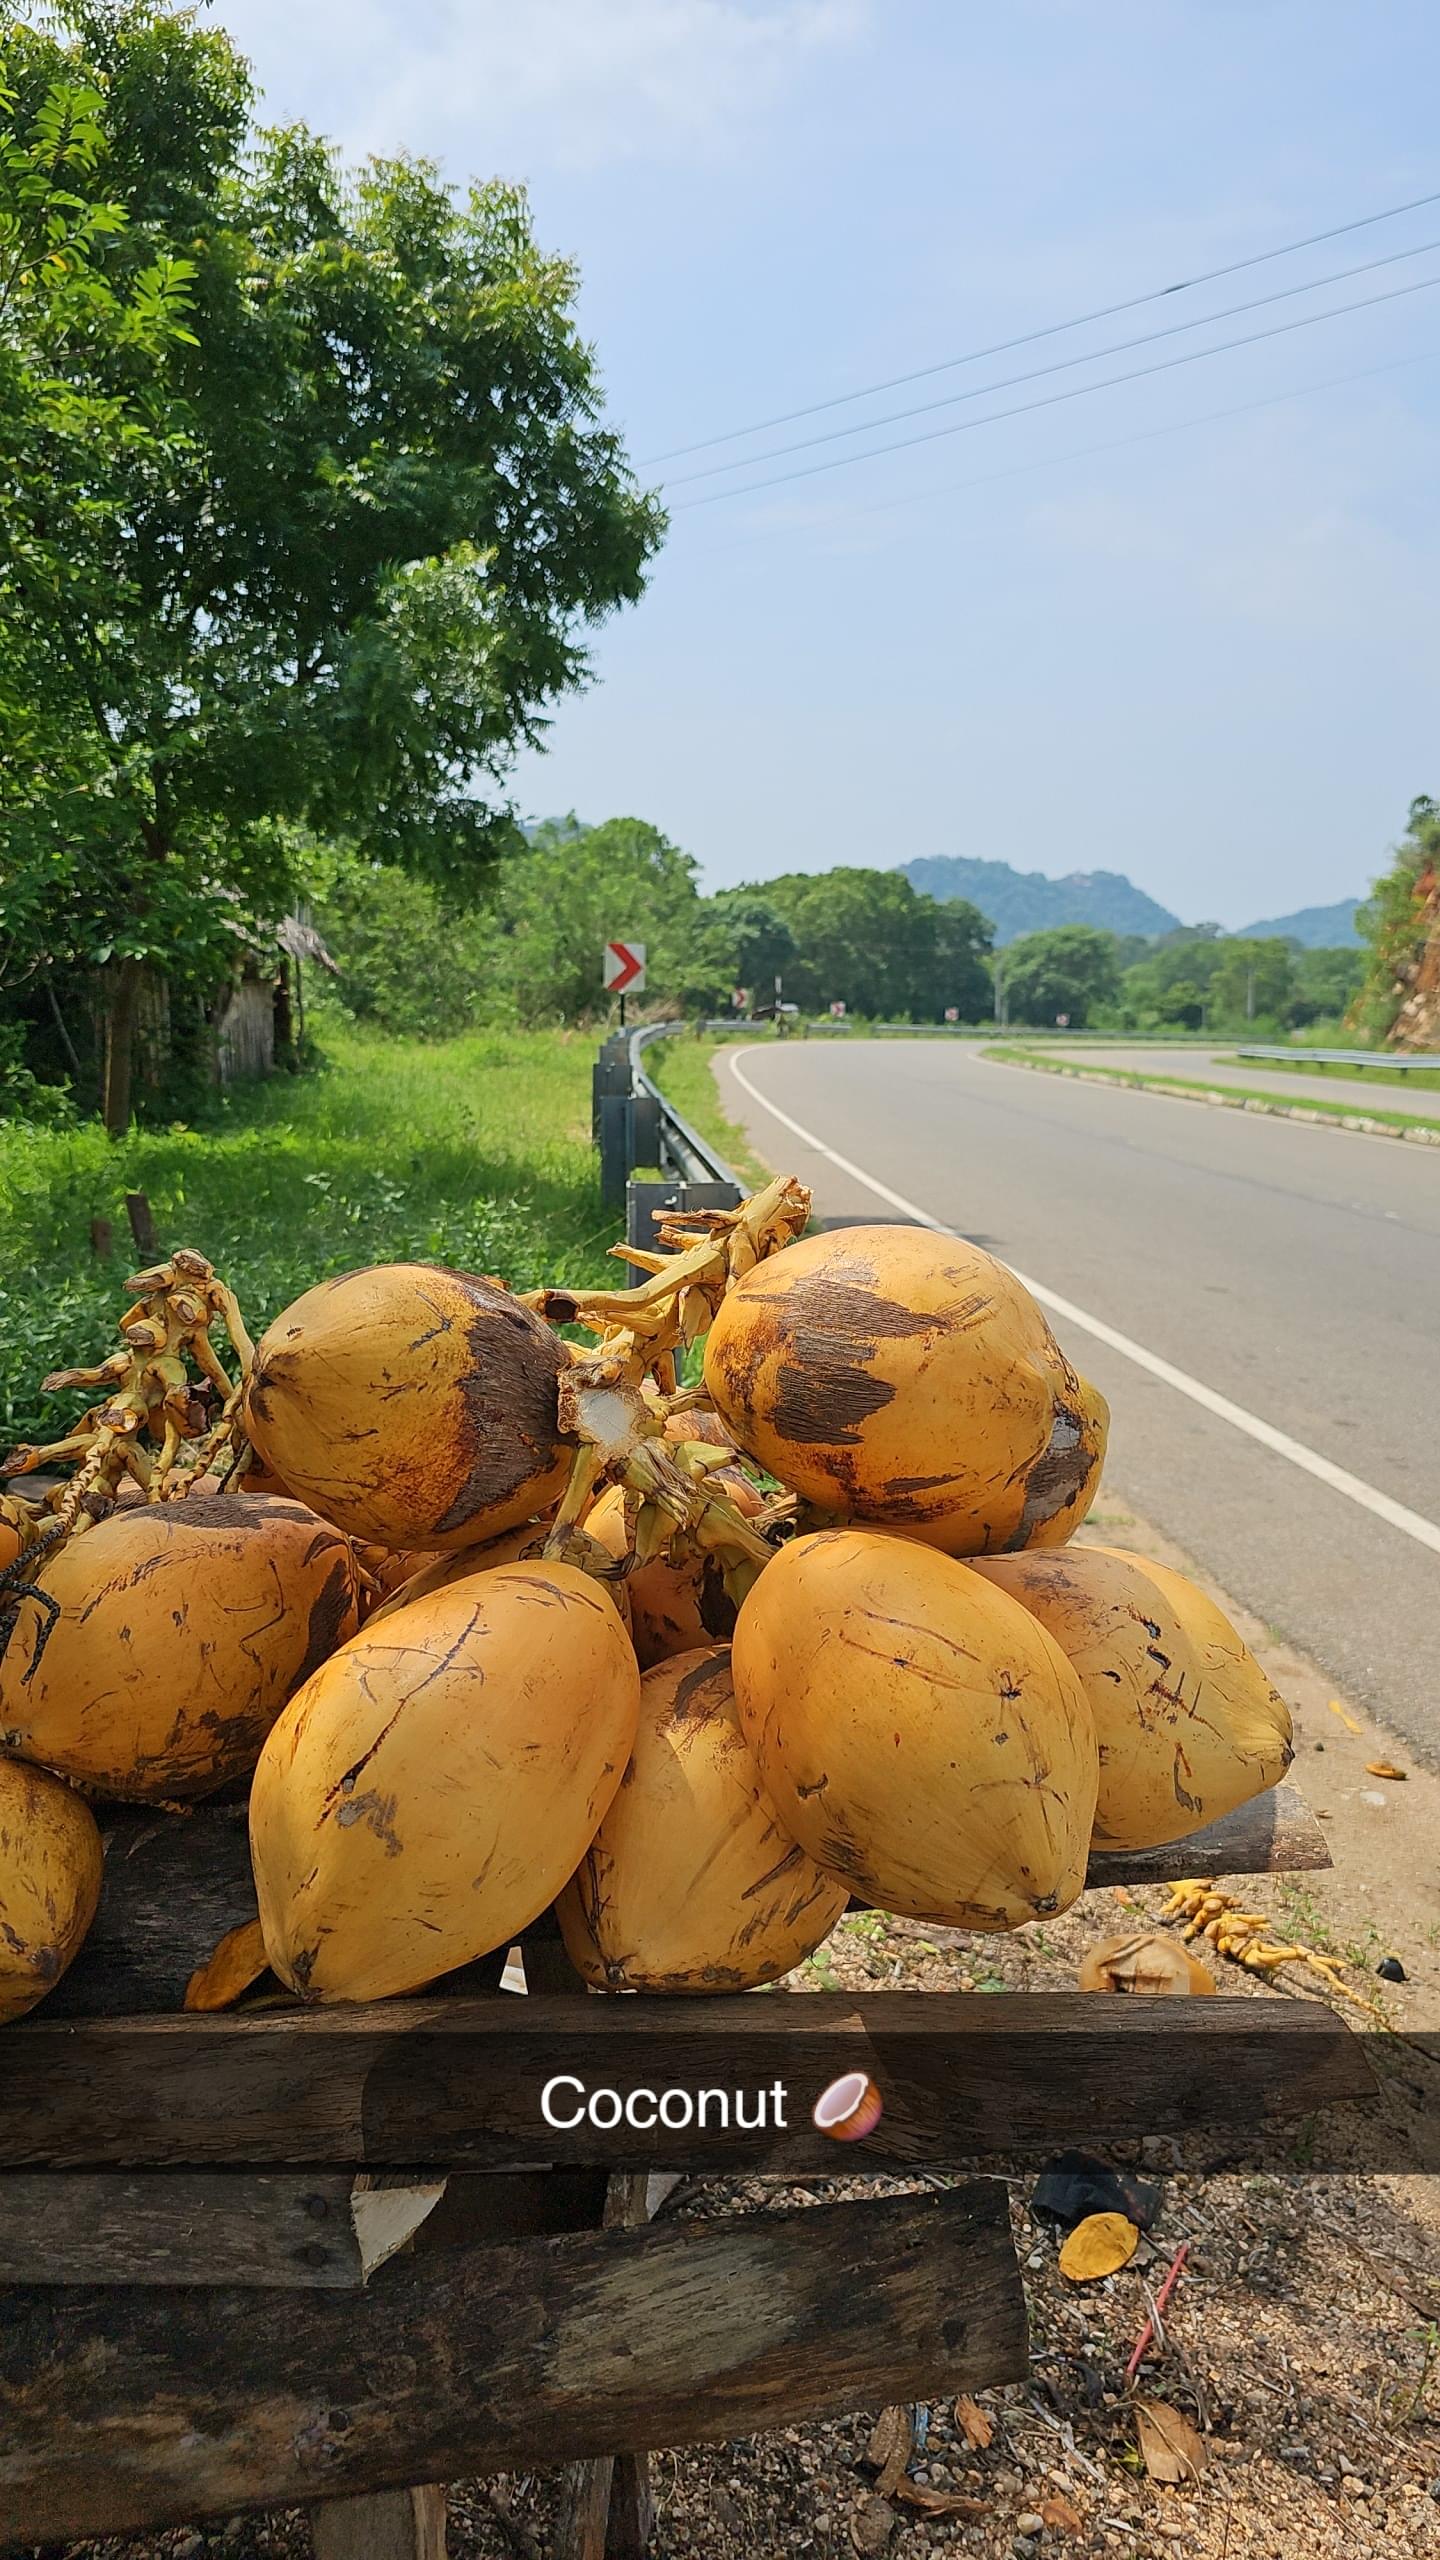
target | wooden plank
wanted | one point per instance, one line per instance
(207, 2227)
(463, 2083)
(294, 2229)
(174, 1883)
(391, 2524)
(587, 2497)
(125, 2408)
(1275, 1834)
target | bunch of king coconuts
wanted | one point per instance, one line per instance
(808, 1630)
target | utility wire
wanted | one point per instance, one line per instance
(1054, 399)
(1066, 364)
(1056, 328)
(1077, 453)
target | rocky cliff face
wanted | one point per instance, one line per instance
(1417, 1024)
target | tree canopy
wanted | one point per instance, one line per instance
(1070, 969)
(306, 504)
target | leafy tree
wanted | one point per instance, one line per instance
(570, 892)
(1253, 982)
(316, 525)
(1071, 969)
(1400, 922)
(871, 941)
(1326, 982)
(737, 939)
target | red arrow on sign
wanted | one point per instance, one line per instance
(624, 966)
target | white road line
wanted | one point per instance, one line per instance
(1368, 1496)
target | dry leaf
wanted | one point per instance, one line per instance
(1169, 2446)
(1059, 2516)
(1385, 1769)
(1348, 1721)
(1097, 2246)
(891, 2440)
(938, 2502)
(1151, 1960)
(232, 1965)
(975, 2424)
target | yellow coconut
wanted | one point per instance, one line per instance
(891, 1374)
(182, 1628)
(435, 1784)
(50, 1863)
(441, 1573)
(690, 1884)
(414, 1406)
(1187, 1723)
(917, 1732)
(676, 1601)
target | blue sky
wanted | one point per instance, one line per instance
(1209, 656)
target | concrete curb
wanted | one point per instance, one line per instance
(1420, 1136)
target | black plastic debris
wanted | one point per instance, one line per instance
(1075, 2183)
(1390, 1969)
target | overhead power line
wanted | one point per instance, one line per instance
(1066, 364)
(1032, 337)
(1055, 399)
(1076, 453)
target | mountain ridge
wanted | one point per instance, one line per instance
(1019, 902)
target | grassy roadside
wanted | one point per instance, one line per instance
(473, 1151)
(1426, 1079)
(683, 1068)
(1401, 1124)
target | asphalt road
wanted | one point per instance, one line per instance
(1208, 1066)
(1291, 1271)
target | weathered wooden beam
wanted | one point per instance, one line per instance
(389, 2524)
(207, 2226)
(1275, 1834)
(125, 2408)
(507, 2083)
(174, 1883)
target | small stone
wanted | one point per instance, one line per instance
(187, 2546)
(1030, 2524)
(1024, 2547)
(872, 2525)
(1352, 2486)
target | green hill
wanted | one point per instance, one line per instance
(1019, 902)
(1319, 928)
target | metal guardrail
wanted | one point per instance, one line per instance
(1342, 1058)
(634, 1123)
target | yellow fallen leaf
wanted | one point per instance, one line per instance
(1385, 1769)
(237, 1960)
(1169, 2447)
(975, 2424)
(1345, 1717)
(1097, 2246)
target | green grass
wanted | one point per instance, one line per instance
(474, 1152)
(681, 1066)
(1235, 1094)
(1426, 1079)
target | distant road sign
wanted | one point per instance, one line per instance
(838, 1011)
(952, 1013)
(625, 968)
